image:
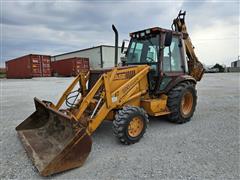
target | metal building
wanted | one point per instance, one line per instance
(235, 64)
(99, 57)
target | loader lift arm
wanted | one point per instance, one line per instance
(108, 99)
(194, 65)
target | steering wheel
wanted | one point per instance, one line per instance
(151, 59)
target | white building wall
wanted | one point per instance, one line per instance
(235, 63)
(109, 55)
(93, 54)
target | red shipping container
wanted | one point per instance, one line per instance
(29, 66)
(46, 66)
(70, 66)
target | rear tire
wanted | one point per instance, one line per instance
(182, 100)
(130, 124)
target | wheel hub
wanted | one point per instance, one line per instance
(187, 103)
(135, 127)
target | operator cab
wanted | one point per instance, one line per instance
(163, 51)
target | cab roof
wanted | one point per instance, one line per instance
(153, 30)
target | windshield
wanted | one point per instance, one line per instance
(143, 50)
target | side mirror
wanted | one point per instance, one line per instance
(168, 39)
(123, 46)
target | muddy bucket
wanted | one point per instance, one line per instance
(53, 140)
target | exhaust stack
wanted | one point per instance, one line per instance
(116, 45)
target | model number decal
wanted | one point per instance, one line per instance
(124, 75)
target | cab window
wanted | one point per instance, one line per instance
(144, 50)
(136, 51)
(172, 57)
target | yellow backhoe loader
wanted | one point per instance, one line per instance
(157, 77)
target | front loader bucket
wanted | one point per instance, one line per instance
(53, 140)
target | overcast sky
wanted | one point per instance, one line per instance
(53, 27)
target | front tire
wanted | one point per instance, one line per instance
(130, 124)
(182, 100)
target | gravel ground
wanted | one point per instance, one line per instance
(205, 148)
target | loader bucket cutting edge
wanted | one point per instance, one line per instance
(53, 140)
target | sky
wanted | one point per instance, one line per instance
(54, 27)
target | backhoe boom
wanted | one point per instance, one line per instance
(195, 66)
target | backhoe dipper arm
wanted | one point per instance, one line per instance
(195, 66)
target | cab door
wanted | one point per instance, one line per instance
(173, 64)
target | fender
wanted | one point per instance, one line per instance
(178, 80)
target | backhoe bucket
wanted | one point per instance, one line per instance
(53, 140)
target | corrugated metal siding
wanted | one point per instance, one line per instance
(19, 68)
(46, 66)
(70, 66)
(62, 68)
(29, 66)
(81, 65)
(36, 64)
(235, 63)
(108, 56)
(94, 55)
